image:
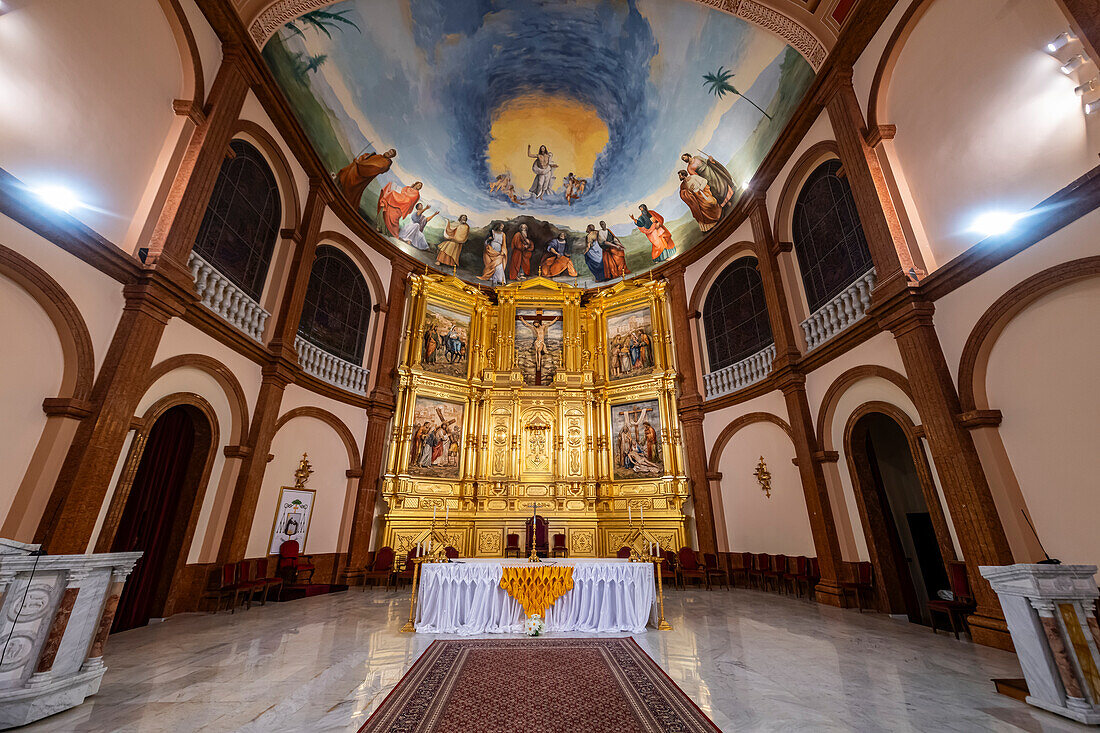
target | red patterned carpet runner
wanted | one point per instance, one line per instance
(537, 686)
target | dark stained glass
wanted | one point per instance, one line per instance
(828, 238)
(238, 232)
(735, 316)
(337, 309)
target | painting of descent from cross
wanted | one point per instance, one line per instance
(538, 345)
(445, 341)
(436, 444)
(636, 440)
(630, 343)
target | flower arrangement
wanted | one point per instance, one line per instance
(535, 625)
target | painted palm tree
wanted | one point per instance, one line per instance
(719, 83)
(322, 21)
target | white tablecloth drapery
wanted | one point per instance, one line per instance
(464, 597)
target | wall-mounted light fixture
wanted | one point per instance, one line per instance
(1083, 89)
(764, 477)
(1092, 107)
(1073, 64)
(58, 197)
(1060, 41)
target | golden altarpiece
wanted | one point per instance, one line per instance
(537, 396)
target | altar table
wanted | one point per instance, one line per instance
(464, 597)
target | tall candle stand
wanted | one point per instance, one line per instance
(437, 540)
(648, 541)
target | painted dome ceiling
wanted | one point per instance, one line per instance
(486, 137)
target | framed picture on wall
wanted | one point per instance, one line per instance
(292, 515)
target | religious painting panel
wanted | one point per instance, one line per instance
(292, 516)
(630, 343)
(636, 440)
(538, 345)
(444, 346)
(436, 445)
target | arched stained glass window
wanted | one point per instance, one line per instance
(828, 238)
(337, 308)
(735, 316)
(238, 232)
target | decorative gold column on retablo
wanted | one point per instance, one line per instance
(484, 427)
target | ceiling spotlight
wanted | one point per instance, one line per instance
(746, 183)
(1073, 64)
(994, 222)
(1092, 107)
(58, 197)
(1085, 88)
(1060, 41)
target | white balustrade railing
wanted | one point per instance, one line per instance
(748, 371)
(220, 295)
(840, 312)
(332, 369)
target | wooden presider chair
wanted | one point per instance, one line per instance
(958, 609)
(291, 563)
(511, 547)
(715, 570)
(381, 568)
(541, 535)
(451, 552)
(559, 549)
(690, 567)
(623, 553)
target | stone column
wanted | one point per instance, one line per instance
(162, 291)
(277, 374)
(973, 512)
(691, 414)
(379, 415)
(793, 385)
(94, 659)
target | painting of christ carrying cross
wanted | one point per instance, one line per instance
(435, 445)
(538, 345)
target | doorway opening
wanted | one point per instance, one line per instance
(903, 521)
(155, 519)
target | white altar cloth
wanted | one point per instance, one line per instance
(464, 597)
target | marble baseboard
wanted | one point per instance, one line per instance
(44, 697)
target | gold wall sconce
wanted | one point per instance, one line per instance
(764, 477)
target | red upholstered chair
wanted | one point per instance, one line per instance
(741, 570)
(715, 571)
(761, 563)
(405, 574)
(774, 574)
(668, 569)
(797, 574)
(381, 568)
(451, 552)
(814, 576)
(249, 585)
(864, 583)
(511, 547)
(541, 537)
(559, 549)
(623, 553)
(690, 567)
(291, 563)
(268, 581)
(223, 586)
(958, 609)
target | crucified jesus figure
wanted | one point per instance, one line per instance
(539, 329)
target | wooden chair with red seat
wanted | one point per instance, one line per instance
(813, 577)
(559, 549)
(223, 586)
(715, 570)
(268, 581)
(742, 569)
(864, 583)
(511, 546)
(291, 563)
(381, 568)
(962, 606)
(797, 574)
(405, 574)
(690, 568)
(451, 552)
(761, 563)
(774, 573)
(668, 569)
(623, 553)
(249, 585)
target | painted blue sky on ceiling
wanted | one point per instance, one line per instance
(614, 88)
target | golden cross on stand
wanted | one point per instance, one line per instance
(651, 543)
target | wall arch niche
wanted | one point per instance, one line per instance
(903, 522)
(829, 243)
(336, 315)
(735, 315)
(241, 224)
(156, 505)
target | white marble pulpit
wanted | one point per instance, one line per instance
(1050, 610)
(55, 614)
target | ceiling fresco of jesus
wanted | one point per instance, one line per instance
(606, 136)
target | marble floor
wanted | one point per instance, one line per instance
(752, 661)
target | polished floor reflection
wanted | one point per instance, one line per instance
(752, 661)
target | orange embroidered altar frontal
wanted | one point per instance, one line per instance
(536, 588)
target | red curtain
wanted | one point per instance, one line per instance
(150, 514)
